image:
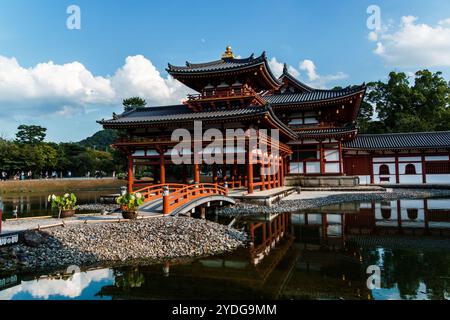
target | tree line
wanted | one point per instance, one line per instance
(405, 103)
(28, 153)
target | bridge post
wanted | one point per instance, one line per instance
(226, 187)
(166, 203)
(130, 173)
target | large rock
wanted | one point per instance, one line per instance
(33, 239)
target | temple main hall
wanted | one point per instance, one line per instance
(317, 142)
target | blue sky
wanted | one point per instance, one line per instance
(123, 44)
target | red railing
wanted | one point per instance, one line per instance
(222, 94)
(180, 197)
(176, 195)
(154, 192)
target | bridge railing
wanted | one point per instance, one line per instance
(154, 192)
(174, 200)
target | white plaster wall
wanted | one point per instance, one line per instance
(438, 204)
(364, 180)
(438, 178)
(332, 155)
(296, 167)
(314, 219)
(411, 179)
(410, 159)
(385, 159)
(437, 158)
(313, 167)
(332, 168)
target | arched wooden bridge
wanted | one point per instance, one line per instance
(176, 199)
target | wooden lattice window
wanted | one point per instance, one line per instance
(437, 168)
(410, 169)
(384, 170)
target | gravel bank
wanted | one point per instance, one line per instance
(154, 240)
(245, 209)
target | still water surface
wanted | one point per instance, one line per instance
(317, 254)
(36, 204)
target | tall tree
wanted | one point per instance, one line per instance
(402, 107)
(31, 134)
(134, 103)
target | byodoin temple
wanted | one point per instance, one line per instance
(317, 141)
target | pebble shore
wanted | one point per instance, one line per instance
(285, 206)
(155, 240)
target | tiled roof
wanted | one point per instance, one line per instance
(300, 85)
(178, 113)
(420, 140)
(350, 129)
(313, 96)
(182, 113)
(225, 64)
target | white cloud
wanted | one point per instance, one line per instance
(70, 89)
(415, 44)
(277, 68)
(316, 80)
(310, 68)
(45, 288)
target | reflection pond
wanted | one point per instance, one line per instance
(315, 254)
(36, 204)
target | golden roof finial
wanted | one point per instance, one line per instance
(228, 53)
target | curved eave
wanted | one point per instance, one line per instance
(300, 85)
(176, 123)
(277, 123)
(257, 63)
(348, 134)
(319, 103)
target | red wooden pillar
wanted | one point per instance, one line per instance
(162, 167)
(325, 227)
(397, 170)
(341, 159)
(282, 171)
(424, 171)
(130, 173)
(322, 163)
(426, 216)
(234, 174)
(269, 177)
(263, 176)
(399, 215)
(196, 173)
(279, 174)
(372, 176)
(250, 172)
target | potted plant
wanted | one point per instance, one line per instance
(66, 204)
(129, 203)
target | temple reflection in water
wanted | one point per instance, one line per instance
(321, 253)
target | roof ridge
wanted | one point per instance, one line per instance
(401, 133)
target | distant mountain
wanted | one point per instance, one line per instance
(101, 140)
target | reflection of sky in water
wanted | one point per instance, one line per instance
(81, 286)
(394, 293)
